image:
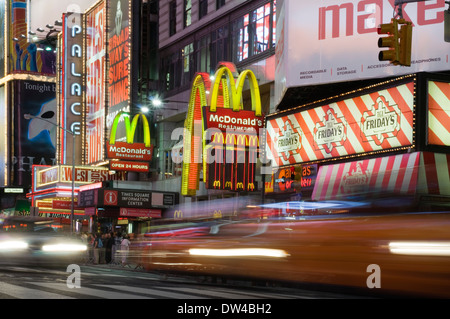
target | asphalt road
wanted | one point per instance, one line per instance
(114, 282)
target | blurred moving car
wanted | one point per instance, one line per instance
(401, 254)
(28, 240)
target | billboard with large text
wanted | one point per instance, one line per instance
(326, 41)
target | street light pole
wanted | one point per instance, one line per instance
(72, 206)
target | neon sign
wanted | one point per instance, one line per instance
(229, 160)
(130, 150)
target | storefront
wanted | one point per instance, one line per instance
(126, 206)
(51, 194)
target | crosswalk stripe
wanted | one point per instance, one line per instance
(217, 294)
(28, 293)
(91, 291)
(156, 292)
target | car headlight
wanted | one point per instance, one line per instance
(13, 245)
(64, 247)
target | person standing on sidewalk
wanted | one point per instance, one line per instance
(125, 247)
(97, 239)
(101, 246)
(108, 247)
(118, 248)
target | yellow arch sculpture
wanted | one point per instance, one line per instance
(194, 147)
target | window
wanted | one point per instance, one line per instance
(254, 33)
(172, 17)
(250, 35)
(202, 55)
(219, 49)
(187, 13)
(202, 8)
(187, 54)
(173, 163)
(219, 4)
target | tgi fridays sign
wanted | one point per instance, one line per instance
(378, 120)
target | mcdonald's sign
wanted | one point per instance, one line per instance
(129, 149)
(229, 160)
(178, 214)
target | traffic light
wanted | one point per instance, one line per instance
(405, 43)
(398, 41)
(391, 42)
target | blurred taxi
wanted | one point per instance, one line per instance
(404, 254)
(27, 240)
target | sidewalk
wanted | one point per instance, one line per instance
(115, 264)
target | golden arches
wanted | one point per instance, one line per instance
(194, 143)
(235, 89)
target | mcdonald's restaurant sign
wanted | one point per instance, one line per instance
(130, 150)
(229, 159)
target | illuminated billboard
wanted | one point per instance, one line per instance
(438, 113)
(377, 119)
(25, 54)
(95, 78)
(329, 41)
(129, 149)
(71, 84)
(46, 177)
(119, 49)
(34, 139)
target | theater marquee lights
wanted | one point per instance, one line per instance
(229, 160)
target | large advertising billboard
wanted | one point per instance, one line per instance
(119, 50)
(95, 83)
(34, 138)
(326, 41)
(27, 54)
(376, 120)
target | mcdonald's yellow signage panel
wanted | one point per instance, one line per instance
(130, 150)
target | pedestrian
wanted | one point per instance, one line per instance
(108, 248)
(97, 244)
(125, 247)
(113, 247)
(101, 246)
(117, 253)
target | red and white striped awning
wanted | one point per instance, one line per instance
(379, 175)
(405, 174)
